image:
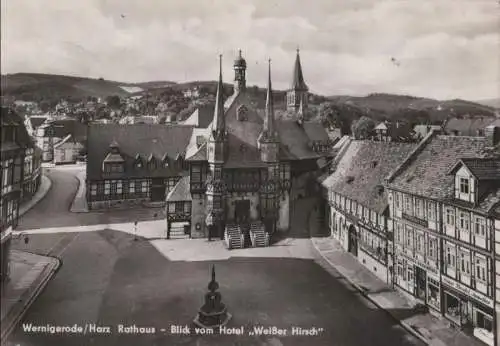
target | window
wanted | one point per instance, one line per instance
(481, 269)
(465, 263)
(483, 321)
(464, 221)
(113, 187)
(431, 249)
(93, 189)
(144, 186)
(399, 233)
(464, 185)
(366, 214)
(107, 187)
(418, 208)
(450, 256)
(431, 211)
(479, 227)
(113, 167)
(420, 242)
(407, 204)
(398, 200)
(409, 236)
(131, 186)
(196, 173)
(119, 187)
(450, 217)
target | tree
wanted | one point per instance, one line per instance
(113, 101)
(362, 128)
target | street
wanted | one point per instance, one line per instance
(107, 279)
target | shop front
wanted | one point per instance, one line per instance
(468, 309)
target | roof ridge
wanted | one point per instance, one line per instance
(409, 158)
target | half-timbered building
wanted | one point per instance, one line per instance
(134, 164)
(358, 208)
(19, 164)
(441, 197)
(244, 166)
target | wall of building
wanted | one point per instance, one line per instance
(284, 213)
(198, 216)
(377, 268)
(253, 197)
(4, 253)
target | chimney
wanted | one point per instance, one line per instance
(492, 134)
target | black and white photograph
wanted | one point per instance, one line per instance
(250, 173)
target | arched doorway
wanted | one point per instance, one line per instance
(352, 241)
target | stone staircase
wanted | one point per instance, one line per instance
(258, 235)
(233, 237)
(178, 233)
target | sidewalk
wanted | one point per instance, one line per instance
(29, 274)
(79, 204)
(428, 328)
(43, 189)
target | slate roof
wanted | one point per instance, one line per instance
(36, 121)
(423, 130)
(425, 173)
(137, 140)
(64, 127)
(481, 168)
(181, 191)
(8, 117)
(360, 171)
(298, 82)
(201, 117)
(467, 127)
(315, 131)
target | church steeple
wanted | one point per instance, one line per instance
(218, 122)
(240, 66)
(269, 127)
(298, 92)
(298, 82)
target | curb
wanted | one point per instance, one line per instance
(49, 181)
(403, 324)
(28, 299)
(72, 206)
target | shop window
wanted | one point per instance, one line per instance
(433, 293)
(483, 321)
(452, 307)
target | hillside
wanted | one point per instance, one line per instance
(32, 86)
(37, 86)
(490, 102)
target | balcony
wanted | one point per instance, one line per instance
(414, 219)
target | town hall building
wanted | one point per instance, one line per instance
(233, 180)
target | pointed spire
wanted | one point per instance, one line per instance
(298, 82)
(218, 122)
(269, 118)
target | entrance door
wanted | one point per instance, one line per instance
(421, 283)
(242, 211)
(352, 242)
(157, 190)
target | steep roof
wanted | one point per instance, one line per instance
(298, 82)
(8, 117)
(63, 127)
(425, 173)
(36, 121)
(201, 116)
(137, 141)
(181, 191)
(360, 172)
(481, 168)
(423, 130)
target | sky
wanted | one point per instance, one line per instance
(434, 48)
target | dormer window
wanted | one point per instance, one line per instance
(152, 162)
(114, 167)
(164, 161)
(138, 161)
(464, 185)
